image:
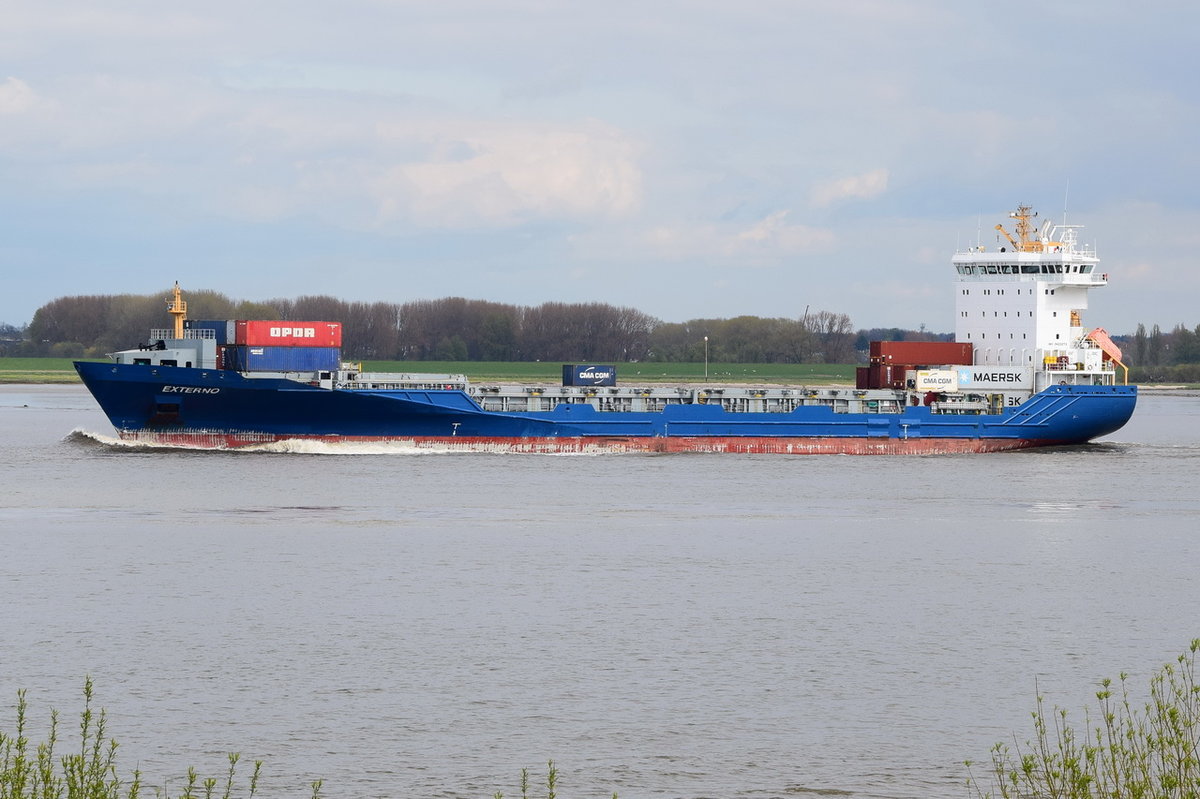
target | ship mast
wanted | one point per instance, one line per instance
(1023, 242)
(177, 307)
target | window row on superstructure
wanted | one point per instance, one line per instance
(1024, 269)
(998, 335)
(998, 292)
(965, 314)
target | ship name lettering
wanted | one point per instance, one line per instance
(191, 390)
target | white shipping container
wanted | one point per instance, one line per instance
(937, 380)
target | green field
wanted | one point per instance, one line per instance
(38, 370)
(59, 370)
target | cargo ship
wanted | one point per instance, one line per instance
(1023, 372)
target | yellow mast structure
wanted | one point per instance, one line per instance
(1025, 241)
(177, 308)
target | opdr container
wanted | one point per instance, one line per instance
(258, 333)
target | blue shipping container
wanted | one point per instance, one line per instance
(222, 328)
(589, 375)
(282, 359)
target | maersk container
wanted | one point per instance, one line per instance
(924, 353)
(258, 333)
(222, 328)
(282, 359)
(589, 375)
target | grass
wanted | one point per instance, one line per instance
(38, 370)
(90, 771)
(59, 370)
(1120, 751)
(551, 784)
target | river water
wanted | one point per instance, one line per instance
(425, 625)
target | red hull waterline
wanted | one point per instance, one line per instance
(828, 445)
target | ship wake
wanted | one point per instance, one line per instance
(90, 438)
(298, 446)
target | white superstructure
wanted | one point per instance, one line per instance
(1021, 305)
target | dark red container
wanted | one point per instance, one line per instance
(922, 353)
(258, 333)
(886, 375)
(880, 375)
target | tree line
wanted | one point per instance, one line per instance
(453, 329)
(458, 329)
(1158, 357)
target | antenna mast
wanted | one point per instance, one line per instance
(177, 308)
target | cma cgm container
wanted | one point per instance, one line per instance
(589, 375)
(926, 353)
(257, 333)
(282, 359)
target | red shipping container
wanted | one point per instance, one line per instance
(879, 375)
(922, 353)
(257, 333)
(886, 375)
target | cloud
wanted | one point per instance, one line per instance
(857, 187)
(504, 175)
(764, 242)
(356, 160)
(16, 97)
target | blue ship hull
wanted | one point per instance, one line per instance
(222, 408)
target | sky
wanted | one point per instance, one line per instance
(688, 159)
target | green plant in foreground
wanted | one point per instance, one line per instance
(91, 773)
(1122, 752)
(551, 784)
